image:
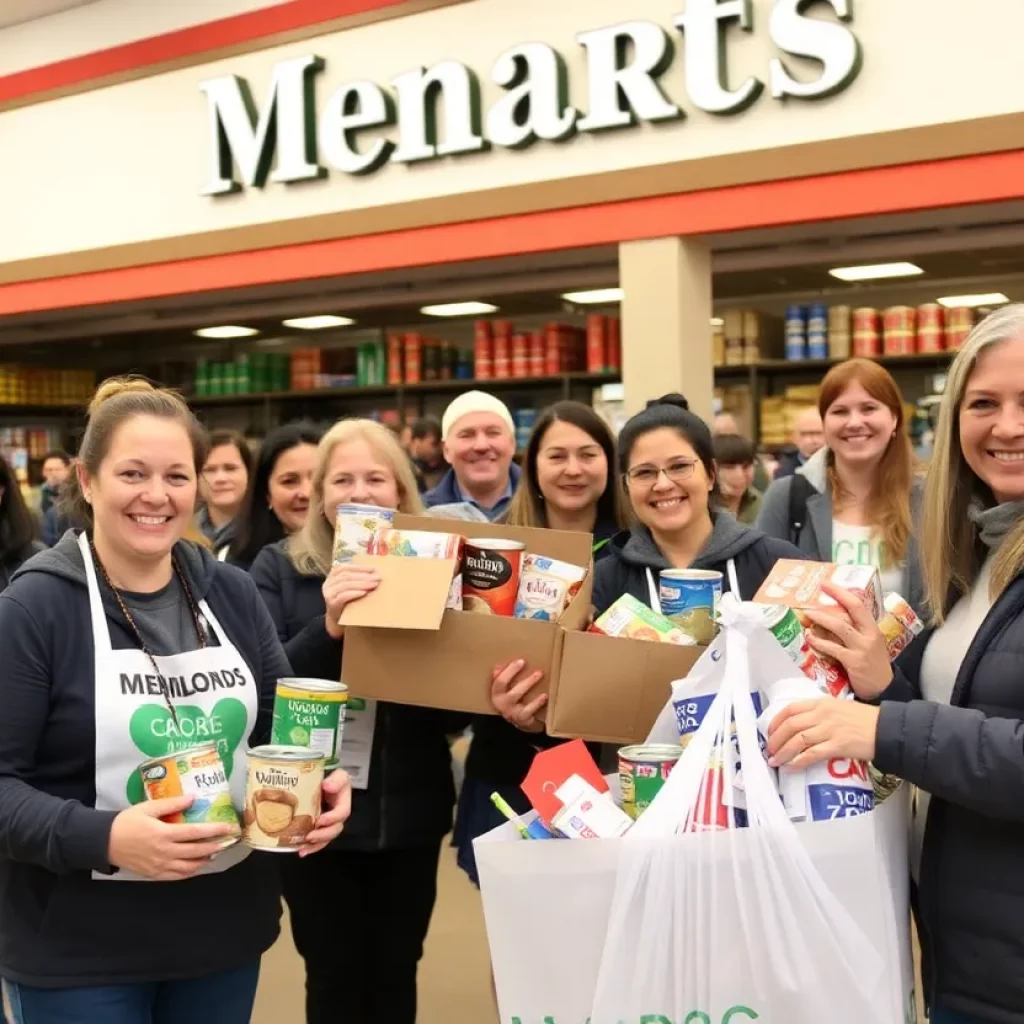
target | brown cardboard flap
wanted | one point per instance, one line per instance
(411, 595)
(446, 668)
(612, 690)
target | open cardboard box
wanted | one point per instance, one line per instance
(611, 689)
(402, 645)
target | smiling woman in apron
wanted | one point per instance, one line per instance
(668, 471)
(368, 900)
(120, 644)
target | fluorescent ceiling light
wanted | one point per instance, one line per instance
(985, 299)
(717, 321)
(459, 309)
(597, 297)
(226, 331)
(876, 271)
(317, 323)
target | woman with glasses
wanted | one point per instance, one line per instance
(666, 459)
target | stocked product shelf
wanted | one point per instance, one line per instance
(795, 367)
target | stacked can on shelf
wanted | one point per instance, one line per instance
(502, 332)
(613, 354)
(796, 332)
(931, 328)
(597, 341)
(537, 354)
(395, 359)
(483, 350)
(520, 356)
(867, 340)
(839, 338)
(900, 330)
(817, 331)
(413, 357)
(959, 322)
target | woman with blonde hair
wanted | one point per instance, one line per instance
(853, 501)
(370, 900)
(950, 718)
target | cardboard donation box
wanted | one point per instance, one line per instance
(402, 645)
(611, 689)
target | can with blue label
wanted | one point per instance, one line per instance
(796, 332)
(689, 598)
(817, 332)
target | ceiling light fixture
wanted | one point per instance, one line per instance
(973, 301)
(459, 309)
(227, 331)
(597, 297)
(876, 271)
(317, 323)
(717, 321)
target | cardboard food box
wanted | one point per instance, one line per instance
(402, 645)
(798, 584)
(610, 689)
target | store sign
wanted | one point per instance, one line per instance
(627, 66)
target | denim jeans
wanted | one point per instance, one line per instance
(226, 997)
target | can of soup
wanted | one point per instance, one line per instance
(490, 576)
(354, 527)
(198, 772)
(282, 797)
(689, 598)
(643, 770)
(310, 713)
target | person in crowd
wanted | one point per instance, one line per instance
(426, 452)
(666, 458)
(478, 438)
(950, 716)
(853, 501)
(17, 527)
(56, 467)
(109, 913)
(369, 899)
(568, 483)
(405, 437)
(808, 437)
(277, 500)
(725, 425)
(224, 483)
(735, 457)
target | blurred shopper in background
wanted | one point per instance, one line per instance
(479, 442)
(951, 718)
(808, 437)
(360, 912)
(735, 457)
(568, 483)
(91, 930)
(666, 458)
(426, 452)
(853, 501)
(725, 425)
(17, 527)
(222, 488)
(278, 497)
(56, 467)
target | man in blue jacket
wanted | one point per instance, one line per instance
(478, 436)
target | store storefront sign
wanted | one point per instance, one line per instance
(438, 112)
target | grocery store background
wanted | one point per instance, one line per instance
(721, 255)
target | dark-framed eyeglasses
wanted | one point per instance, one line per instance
(677, 471)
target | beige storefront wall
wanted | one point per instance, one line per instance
(113, 177)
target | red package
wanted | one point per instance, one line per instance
(553, 767)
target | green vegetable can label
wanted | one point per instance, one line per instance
(310, 713)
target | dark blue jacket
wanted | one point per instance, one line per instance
(970, 756)
(447, 492)
(60, 928)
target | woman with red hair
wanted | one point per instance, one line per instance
(853, 502)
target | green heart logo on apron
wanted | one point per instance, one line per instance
(153, 731)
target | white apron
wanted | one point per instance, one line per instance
(213, 692)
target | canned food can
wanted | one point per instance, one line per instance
(520, 356)
(283, 796)
(310, 713)
(552, 350)
(483, 350)
(502, 355)
(413, 358)
(354, 527)
(197, 772)
(597, 338)
(614, 355)
(796, 347)
(900, 330)
(689, 598)
(643, 770)
(784, 624)
(817, 344)
(817, 319)
(395, 359)
(537, 354)
(490, 576)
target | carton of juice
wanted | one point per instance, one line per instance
(797, 584)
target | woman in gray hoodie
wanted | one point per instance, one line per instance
(854, 501)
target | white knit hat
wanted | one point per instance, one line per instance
(475, 401)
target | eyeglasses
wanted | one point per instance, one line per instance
(647, 476)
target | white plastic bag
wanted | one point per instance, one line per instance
(795, 923)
